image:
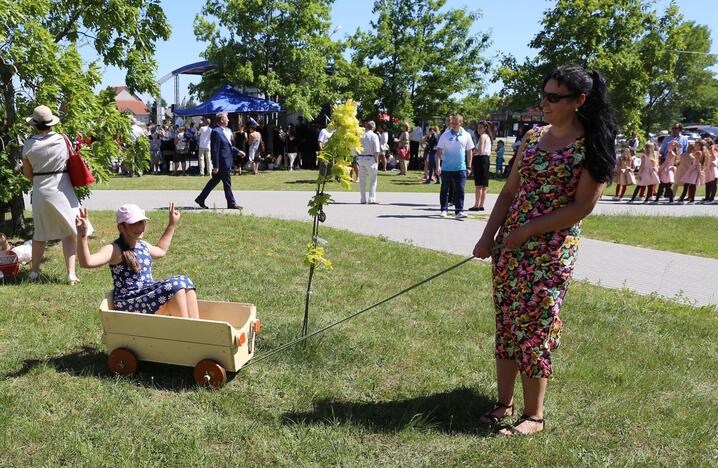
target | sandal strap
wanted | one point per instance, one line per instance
(499, 405)
(523, 418)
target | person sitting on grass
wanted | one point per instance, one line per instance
(131, 258)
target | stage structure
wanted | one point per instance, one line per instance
(198, 68)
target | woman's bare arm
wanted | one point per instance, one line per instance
(503, 203)
(26, 169)
(587, 195)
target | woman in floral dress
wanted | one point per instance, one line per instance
(559, 176)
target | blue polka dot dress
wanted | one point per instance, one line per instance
(137, 291)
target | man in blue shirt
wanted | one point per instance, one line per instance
(675, 135)
(454, 148)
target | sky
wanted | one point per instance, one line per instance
(511, 24)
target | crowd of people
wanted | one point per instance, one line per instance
(668, 167)
(262, 146)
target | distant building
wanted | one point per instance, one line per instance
(130, 104)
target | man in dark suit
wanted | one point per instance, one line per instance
(222, 152)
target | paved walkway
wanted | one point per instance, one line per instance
(414, 218)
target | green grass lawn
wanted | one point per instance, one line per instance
(388, 181)
(692, 235)
(401, 385)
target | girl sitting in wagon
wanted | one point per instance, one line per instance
(130, 259)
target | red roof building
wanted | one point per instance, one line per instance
(131, 104)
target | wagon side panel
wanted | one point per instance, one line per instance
(171, 352)
(166, 328)
(235, 313)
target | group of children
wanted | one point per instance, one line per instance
(661, 176)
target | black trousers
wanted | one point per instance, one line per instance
(414, 155)
(223, 176)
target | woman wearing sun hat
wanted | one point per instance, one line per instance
(54, 203)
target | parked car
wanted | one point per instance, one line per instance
(692, 136)
(704, 131)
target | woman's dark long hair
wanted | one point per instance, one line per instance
(596, 115)
(128, 256)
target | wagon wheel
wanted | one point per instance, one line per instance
(208, 373)
(122, 361)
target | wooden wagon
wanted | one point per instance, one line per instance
(220, 341)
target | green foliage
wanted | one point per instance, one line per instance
(688, 89)
(315, 257)
(337, 154)
(631, 44)
(284, 49)
(423, 54)
(317, 202)
(476, 107)
(40, 64)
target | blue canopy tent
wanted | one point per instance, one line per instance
(227, 99)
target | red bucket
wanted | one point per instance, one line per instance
(9, 266)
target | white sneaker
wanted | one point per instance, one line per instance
(373, 202)
(460, 215)
(34, 275)
(444, 214)
(72, 280)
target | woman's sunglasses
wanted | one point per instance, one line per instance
(554, 97)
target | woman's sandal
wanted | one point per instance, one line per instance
(515, 431)
(491, 420)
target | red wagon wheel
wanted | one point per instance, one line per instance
(208, 373)
(122, 361)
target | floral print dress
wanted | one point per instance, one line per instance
(137, 291)
(530, 282)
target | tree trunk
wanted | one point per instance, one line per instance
(17, 204)
(17, 210)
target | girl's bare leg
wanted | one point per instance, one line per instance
(176, 306)
(192, 305)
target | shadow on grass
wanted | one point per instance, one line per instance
(22, 278)
(412, 204)
(454, 411)
(92, 362)
(406, 216)
(188, 208)
(302, 181)
(417, 182)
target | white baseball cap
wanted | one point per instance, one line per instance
(130, 214)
